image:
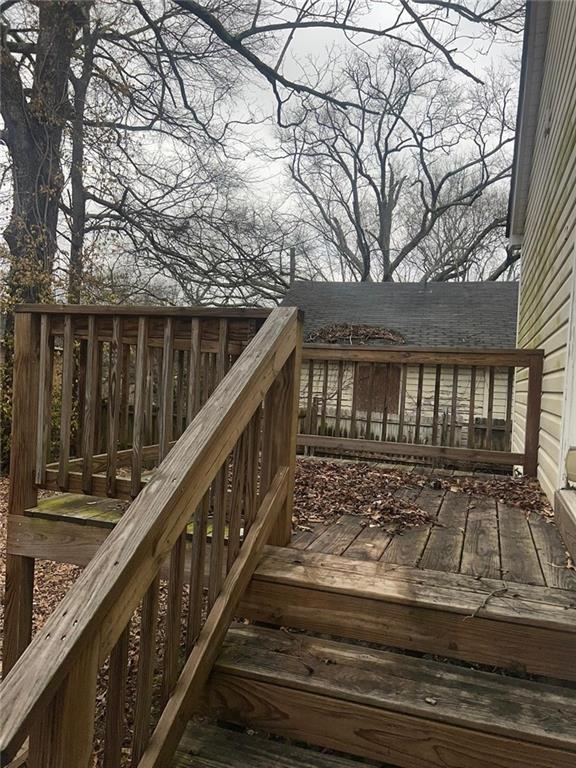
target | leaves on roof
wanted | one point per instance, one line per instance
(348, 333)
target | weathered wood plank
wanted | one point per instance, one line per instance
(115, 702)
(517, 550)
(481, 550)
(22, 492)
(67, 402)
(212, 747)
(443, 551)
(139, 405)
(53, 746)
(551, 553)
(433, 612)
(145, 678)
(346, 444)
(44, 418)
(377, 704)
(336, 538)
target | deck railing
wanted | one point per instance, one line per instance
(450, 405)
(234, 463)
(117, 385)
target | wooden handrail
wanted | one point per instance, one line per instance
(425, 355)
(137, 310)
(86, 625)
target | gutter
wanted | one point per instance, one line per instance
(532, 72)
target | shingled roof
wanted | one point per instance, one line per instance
(425, 314)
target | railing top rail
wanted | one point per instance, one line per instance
(98, 606)
(430, 355)
(147, 311)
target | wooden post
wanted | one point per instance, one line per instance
(285, 437)
(532, 437)
(22, 494)
(63, 734)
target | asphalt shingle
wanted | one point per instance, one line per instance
(425, 314)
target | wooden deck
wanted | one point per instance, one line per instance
(472, 535)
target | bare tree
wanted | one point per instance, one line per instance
(380, 184)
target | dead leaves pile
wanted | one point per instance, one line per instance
(325, 490)
(346, 333)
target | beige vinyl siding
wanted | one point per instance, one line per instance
(548, 253)
(428, 387)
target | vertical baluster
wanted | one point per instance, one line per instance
(44, 398)
(253, 471)
(324, 398)
(402, 404)
(309, 397)
(149, 411)
(145, 677)
(125, 396)
(194, 371)
(237, 498)
(174, 615)
(489, 420)
(217, 542)
(89, 427)
(139, 404)
(180, 392)
(454, 406)
(167, 389)
(436, 405)
(385, 398)
(116, 700)
(80, 364)
(99, 424)
(509, 402)
(114, 403)
(472, 407)
(222, 357)
(354, 406)
(66, 409)
(197, 560)
(370, 404)
(339, 388)
(419, 403)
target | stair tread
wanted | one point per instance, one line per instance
(487, 702)
(211, 746)
(457, 593)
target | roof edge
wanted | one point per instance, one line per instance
(530, 90)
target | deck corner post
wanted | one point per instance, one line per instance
(22, 492)
(287, 434)
(532, 438)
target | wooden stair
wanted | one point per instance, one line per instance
(209, 746)
(387, 706)
(499, 623)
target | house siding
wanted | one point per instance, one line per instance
(548, 251)
(428, 387)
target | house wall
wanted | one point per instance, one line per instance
(429, 380)
(548, 251)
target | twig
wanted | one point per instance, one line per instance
(484, 603)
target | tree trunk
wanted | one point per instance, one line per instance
(34, 128)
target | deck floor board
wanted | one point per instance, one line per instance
(471, 535)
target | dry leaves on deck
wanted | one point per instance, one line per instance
(325, 490)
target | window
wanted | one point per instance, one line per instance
(385, 387)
